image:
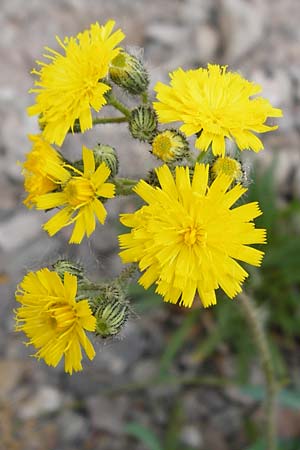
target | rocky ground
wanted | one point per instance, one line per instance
(42, 407)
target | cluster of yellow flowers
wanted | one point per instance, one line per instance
(187, 237)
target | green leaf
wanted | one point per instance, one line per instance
(144, 435)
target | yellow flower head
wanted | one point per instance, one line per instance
(36, 179)
(187, 238)
(229, 166)
(70, 85)
(78, 198)
(52, 319)
(215, 104)
(169, 145)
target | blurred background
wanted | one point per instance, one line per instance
(175, 379)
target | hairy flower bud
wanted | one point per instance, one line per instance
(143, 123)
(229, 166)
(128, 72)
(170, 145)
(63, 265)
(108, 155)
(111, 310)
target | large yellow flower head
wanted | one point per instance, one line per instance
(79, 197)
(215, 104)
(52, 319)
(37, 180)
(71, 84)
(188, 236)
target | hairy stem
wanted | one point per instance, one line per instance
(252, 316)
(100, 120)
(124, 186)
(113, 101)
(145, 97)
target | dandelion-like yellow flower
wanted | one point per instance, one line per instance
(71, 84)
(78, 198)
(52, 319)
(188, 237)
(36, 179)
(215, 104)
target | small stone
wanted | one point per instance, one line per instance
(19, 229)
(144, 370)
(11, 373)
(243, 26)
(106, 413)
(206, 41)
(73, 426)
(46, 400)
(168, 34)
(191, 436)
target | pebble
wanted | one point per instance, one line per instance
(192, 437)
(73, 427)
(243, 24)
(107, 413)
(46, 400)
(19, 229)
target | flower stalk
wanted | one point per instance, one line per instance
(113, 101)
(251, 315)
(100, 121)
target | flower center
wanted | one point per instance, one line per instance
(228, 166)
(79, 190)
(194, 235)
(60, 316)
(162, 147)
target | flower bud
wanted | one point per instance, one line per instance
(63, 265)
(111, 311)
(108, 155)
(143, 123)
(128, 72)
(229, 166)
(170, 145)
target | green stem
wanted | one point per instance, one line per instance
(124, 186)
(100, 120)
(190, 159)
(113, 101)
(127, 274)
(252, 316)
(144, 97)
(200, 157)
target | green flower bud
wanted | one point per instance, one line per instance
(128, 72)
(170, 145)
(108, 155)
(63, 265)
(111, 310)
(143, 123)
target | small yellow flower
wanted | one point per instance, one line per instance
(187, 238)
(71, 84)
(52, 319)
(214, 105)
(229, 166)
(78, 198)
(169, 145)
(36, 179)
